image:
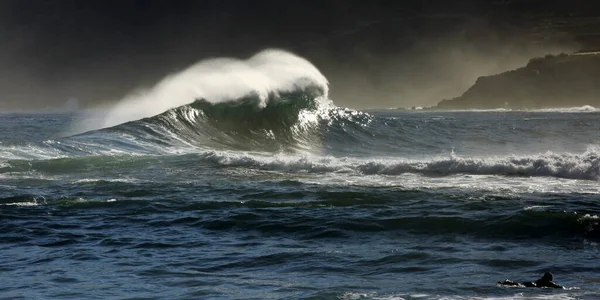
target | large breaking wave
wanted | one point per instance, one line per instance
(272, 101)
(283, 121)
(216, 80)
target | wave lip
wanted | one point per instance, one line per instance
(286, 120)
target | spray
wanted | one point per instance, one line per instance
(214, 80)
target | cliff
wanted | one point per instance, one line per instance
(548, 82)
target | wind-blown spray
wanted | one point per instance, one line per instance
(216, 80)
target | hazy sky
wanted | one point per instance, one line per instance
(375, 53)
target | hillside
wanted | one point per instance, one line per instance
(548, 82)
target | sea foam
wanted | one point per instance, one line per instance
(584, 166)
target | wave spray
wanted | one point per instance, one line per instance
(215, 80)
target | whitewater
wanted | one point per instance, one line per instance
(242, 179)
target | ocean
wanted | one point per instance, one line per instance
(279, 193)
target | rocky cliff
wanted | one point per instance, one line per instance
(549, 82)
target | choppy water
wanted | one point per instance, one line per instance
(391, 204)
(291, 197)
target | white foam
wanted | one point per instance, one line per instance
(590, 217)
(29, 151)
(537, 207)
(36, 201)
(96, 180)
(30, 203)
(562, 165)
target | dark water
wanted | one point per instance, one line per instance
(300, 200)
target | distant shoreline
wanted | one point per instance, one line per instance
(553, 81)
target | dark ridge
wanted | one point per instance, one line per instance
(553, 81)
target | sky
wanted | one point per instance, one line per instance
(376, 54)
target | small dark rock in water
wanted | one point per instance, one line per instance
(544, 282)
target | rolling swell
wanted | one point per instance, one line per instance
(335, 214)
(585, 166)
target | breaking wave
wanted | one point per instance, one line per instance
(281, 122)
(561, 165)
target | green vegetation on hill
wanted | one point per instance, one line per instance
(546, 82)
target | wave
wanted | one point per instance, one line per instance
(215, 80)
(563, 165)
(579, 109)
(584, 166)
(293, 121)
(281, 122)
(273, 101)
(298, 120)
(263, 112)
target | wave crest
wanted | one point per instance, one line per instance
(216, 80)
(284, 121)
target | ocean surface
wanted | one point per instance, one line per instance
(285, 195)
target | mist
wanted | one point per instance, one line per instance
(433, 68)
(379, 55)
